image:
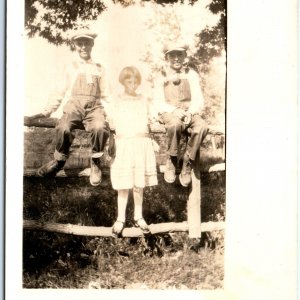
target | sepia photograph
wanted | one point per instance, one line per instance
(151, 150)
(124, 144)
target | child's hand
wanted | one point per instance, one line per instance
(152, 120)
(187, 119)
(155, 146)
(180, 113)
(110, 123)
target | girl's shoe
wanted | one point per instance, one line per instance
(117, 228)
(141, 223)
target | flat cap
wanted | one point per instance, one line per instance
(175, 47)
(84, 33)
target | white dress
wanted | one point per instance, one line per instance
(134, 164)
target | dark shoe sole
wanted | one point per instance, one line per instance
(50, 169)
(51, 174)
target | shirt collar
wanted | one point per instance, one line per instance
(170, 71)
(82, 61)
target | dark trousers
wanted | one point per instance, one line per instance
(92, 119)
(196, 131)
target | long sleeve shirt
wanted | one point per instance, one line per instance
(196, 102)
(63, 91)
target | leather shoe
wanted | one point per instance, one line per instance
(185, 177)
(96, 174)
(51, 168)
(169, 174)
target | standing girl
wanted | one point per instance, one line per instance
(134, 166)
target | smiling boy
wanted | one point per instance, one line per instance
(85, 92)
(179, 100)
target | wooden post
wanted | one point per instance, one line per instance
(194, 208)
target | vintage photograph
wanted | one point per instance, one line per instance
(124, 177)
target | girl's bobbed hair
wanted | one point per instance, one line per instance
(129, 72)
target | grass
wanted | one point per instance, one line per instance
(58, 261)
(158, 262)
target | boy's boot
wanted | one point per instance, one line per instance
(51, 168)
(169, 174)
(96, 174)
(185, 175)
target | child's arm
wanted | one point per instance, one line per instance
(56, 97)
(104, 90)
(152, 117)
(197, 101)
(110, 113)
(152, 110)
(155, 145)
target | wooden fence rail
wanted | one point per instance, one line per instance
(127, 232)
(51, 123)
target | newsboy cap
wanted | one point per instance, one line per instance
(175, 47)
(84, 33)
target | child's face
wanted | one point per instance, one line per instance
(84, 47)
(130, 85)
(176, 59)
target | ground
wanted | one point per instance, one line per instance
(162, 262)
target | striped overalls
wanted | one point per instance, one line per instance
(83, 110)
(179, 95)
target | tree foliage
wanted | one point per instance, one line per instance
(202, 27)
(51, 19)
(212, 41)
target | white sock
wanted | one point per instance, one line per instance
(138, 203)
(122, 204)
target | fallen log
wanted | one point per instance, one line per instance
(40, 122)
(107, 231)
(39, 145)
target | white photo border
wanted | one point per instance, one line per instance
(261, 195)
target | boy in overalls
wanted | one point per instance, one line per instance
(179, 100)
(84, 89)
